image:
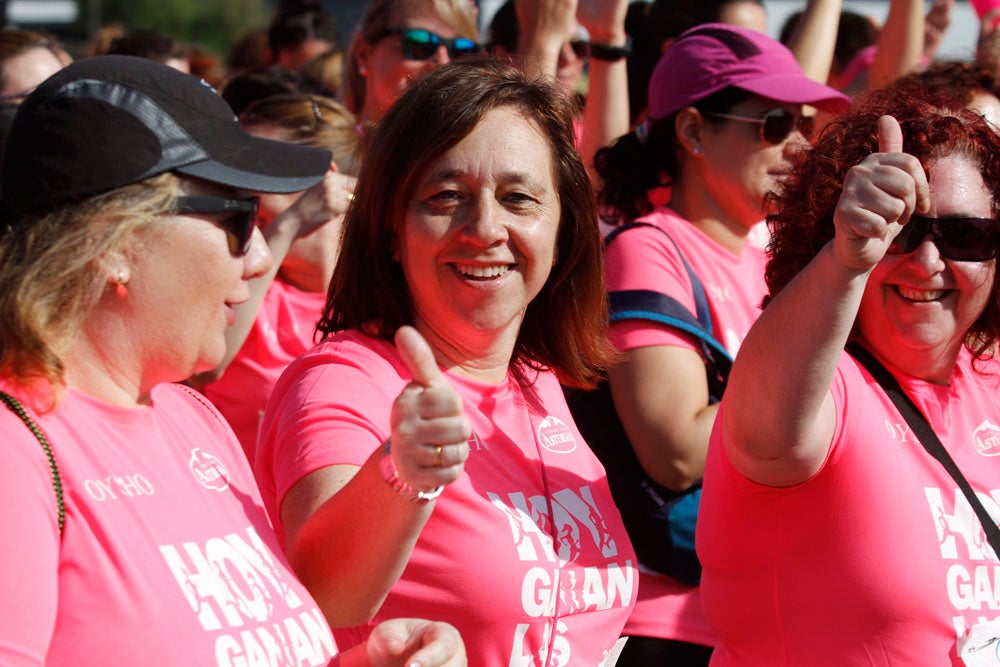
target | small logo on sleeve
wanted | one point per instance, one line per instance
(208, 470)
(555, 436)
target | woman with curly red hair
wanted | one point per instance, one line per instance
(827, 534)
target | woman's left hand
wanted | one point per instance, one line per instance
(402, 642)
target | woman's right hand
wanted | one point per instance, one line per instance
(880, 193)
(402, 642)
(430, 432)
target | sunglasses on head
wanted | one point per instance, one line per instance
(239, 224)
(776, 124)
(421, 44)
(961, 239)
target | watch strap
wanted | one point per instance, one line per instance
(611, 53)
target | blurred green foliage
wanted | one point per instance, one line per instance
(214, 24)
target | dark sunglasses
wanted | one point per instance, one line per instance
(581, 48)
(240, 224)
(776, 124)
(423, 44)
(960, 239)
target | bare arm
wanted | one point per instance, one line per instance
(661, 396)
(815, 38)
(779, 419)
(606, 111)
(900, 43)
(545, 26)
(349, 534)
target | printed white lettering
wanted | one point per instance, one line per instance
(309, 637)
(98, 490)
(583, 508)
(961, 522)
(536, 593)
(229, 580)
(903, 431)
(531, 543)
(976, 592)
(304, 641)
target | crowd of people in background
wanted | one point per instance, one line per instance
(589, 333)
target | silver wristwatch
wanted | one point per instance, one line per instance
(387, 468)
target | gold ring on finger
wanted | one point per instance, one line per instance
(437, 456)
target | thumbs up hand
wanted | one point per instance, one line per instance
(430, 432)
(880, 193)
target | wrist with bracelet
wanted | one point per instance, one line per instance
(610, 53)
(390, 475)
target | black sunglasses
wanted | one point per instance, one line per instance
(581, 48)
(240, 224)
(776, 124)
(421, 44)
(960, 239)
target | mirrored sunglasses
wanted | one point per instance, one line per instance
(775, 125)
(418, 44)
(239, 224)
(961, 239)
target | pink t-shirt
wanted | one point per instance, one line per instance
(525, 554)
(168, 557)
(644, 258)
(876, 560)
(282, 331)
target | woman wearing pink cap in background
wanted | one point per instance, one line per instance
(726, 121)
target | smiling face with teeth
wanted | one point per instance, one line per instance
(918, 307)
(479, 237)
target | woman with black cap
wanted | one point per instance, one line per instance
(136, 533)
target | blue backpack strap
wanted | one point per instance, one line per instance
(658, 307)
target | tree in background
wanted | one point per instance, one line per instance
(217, 25)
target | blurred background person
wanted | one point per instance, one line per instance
(278, 322)
(398, 42)
(726, 124)
(299, 31)
(153, 45)
(26, 59)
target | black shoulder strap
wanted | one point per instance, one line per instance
(659, 307)
(928, 438)
(18, 409)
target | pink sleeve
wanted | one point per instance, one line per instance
(29, 546)
(330, 408)
(643, 258)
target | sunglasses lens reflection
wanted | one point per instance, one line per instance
(423, 44)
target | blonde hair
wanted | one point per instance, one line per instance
(310, 120)
(456, 13)
(327, 69)
(50, 269)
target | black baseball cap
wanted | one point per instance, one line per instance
(108, 121)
